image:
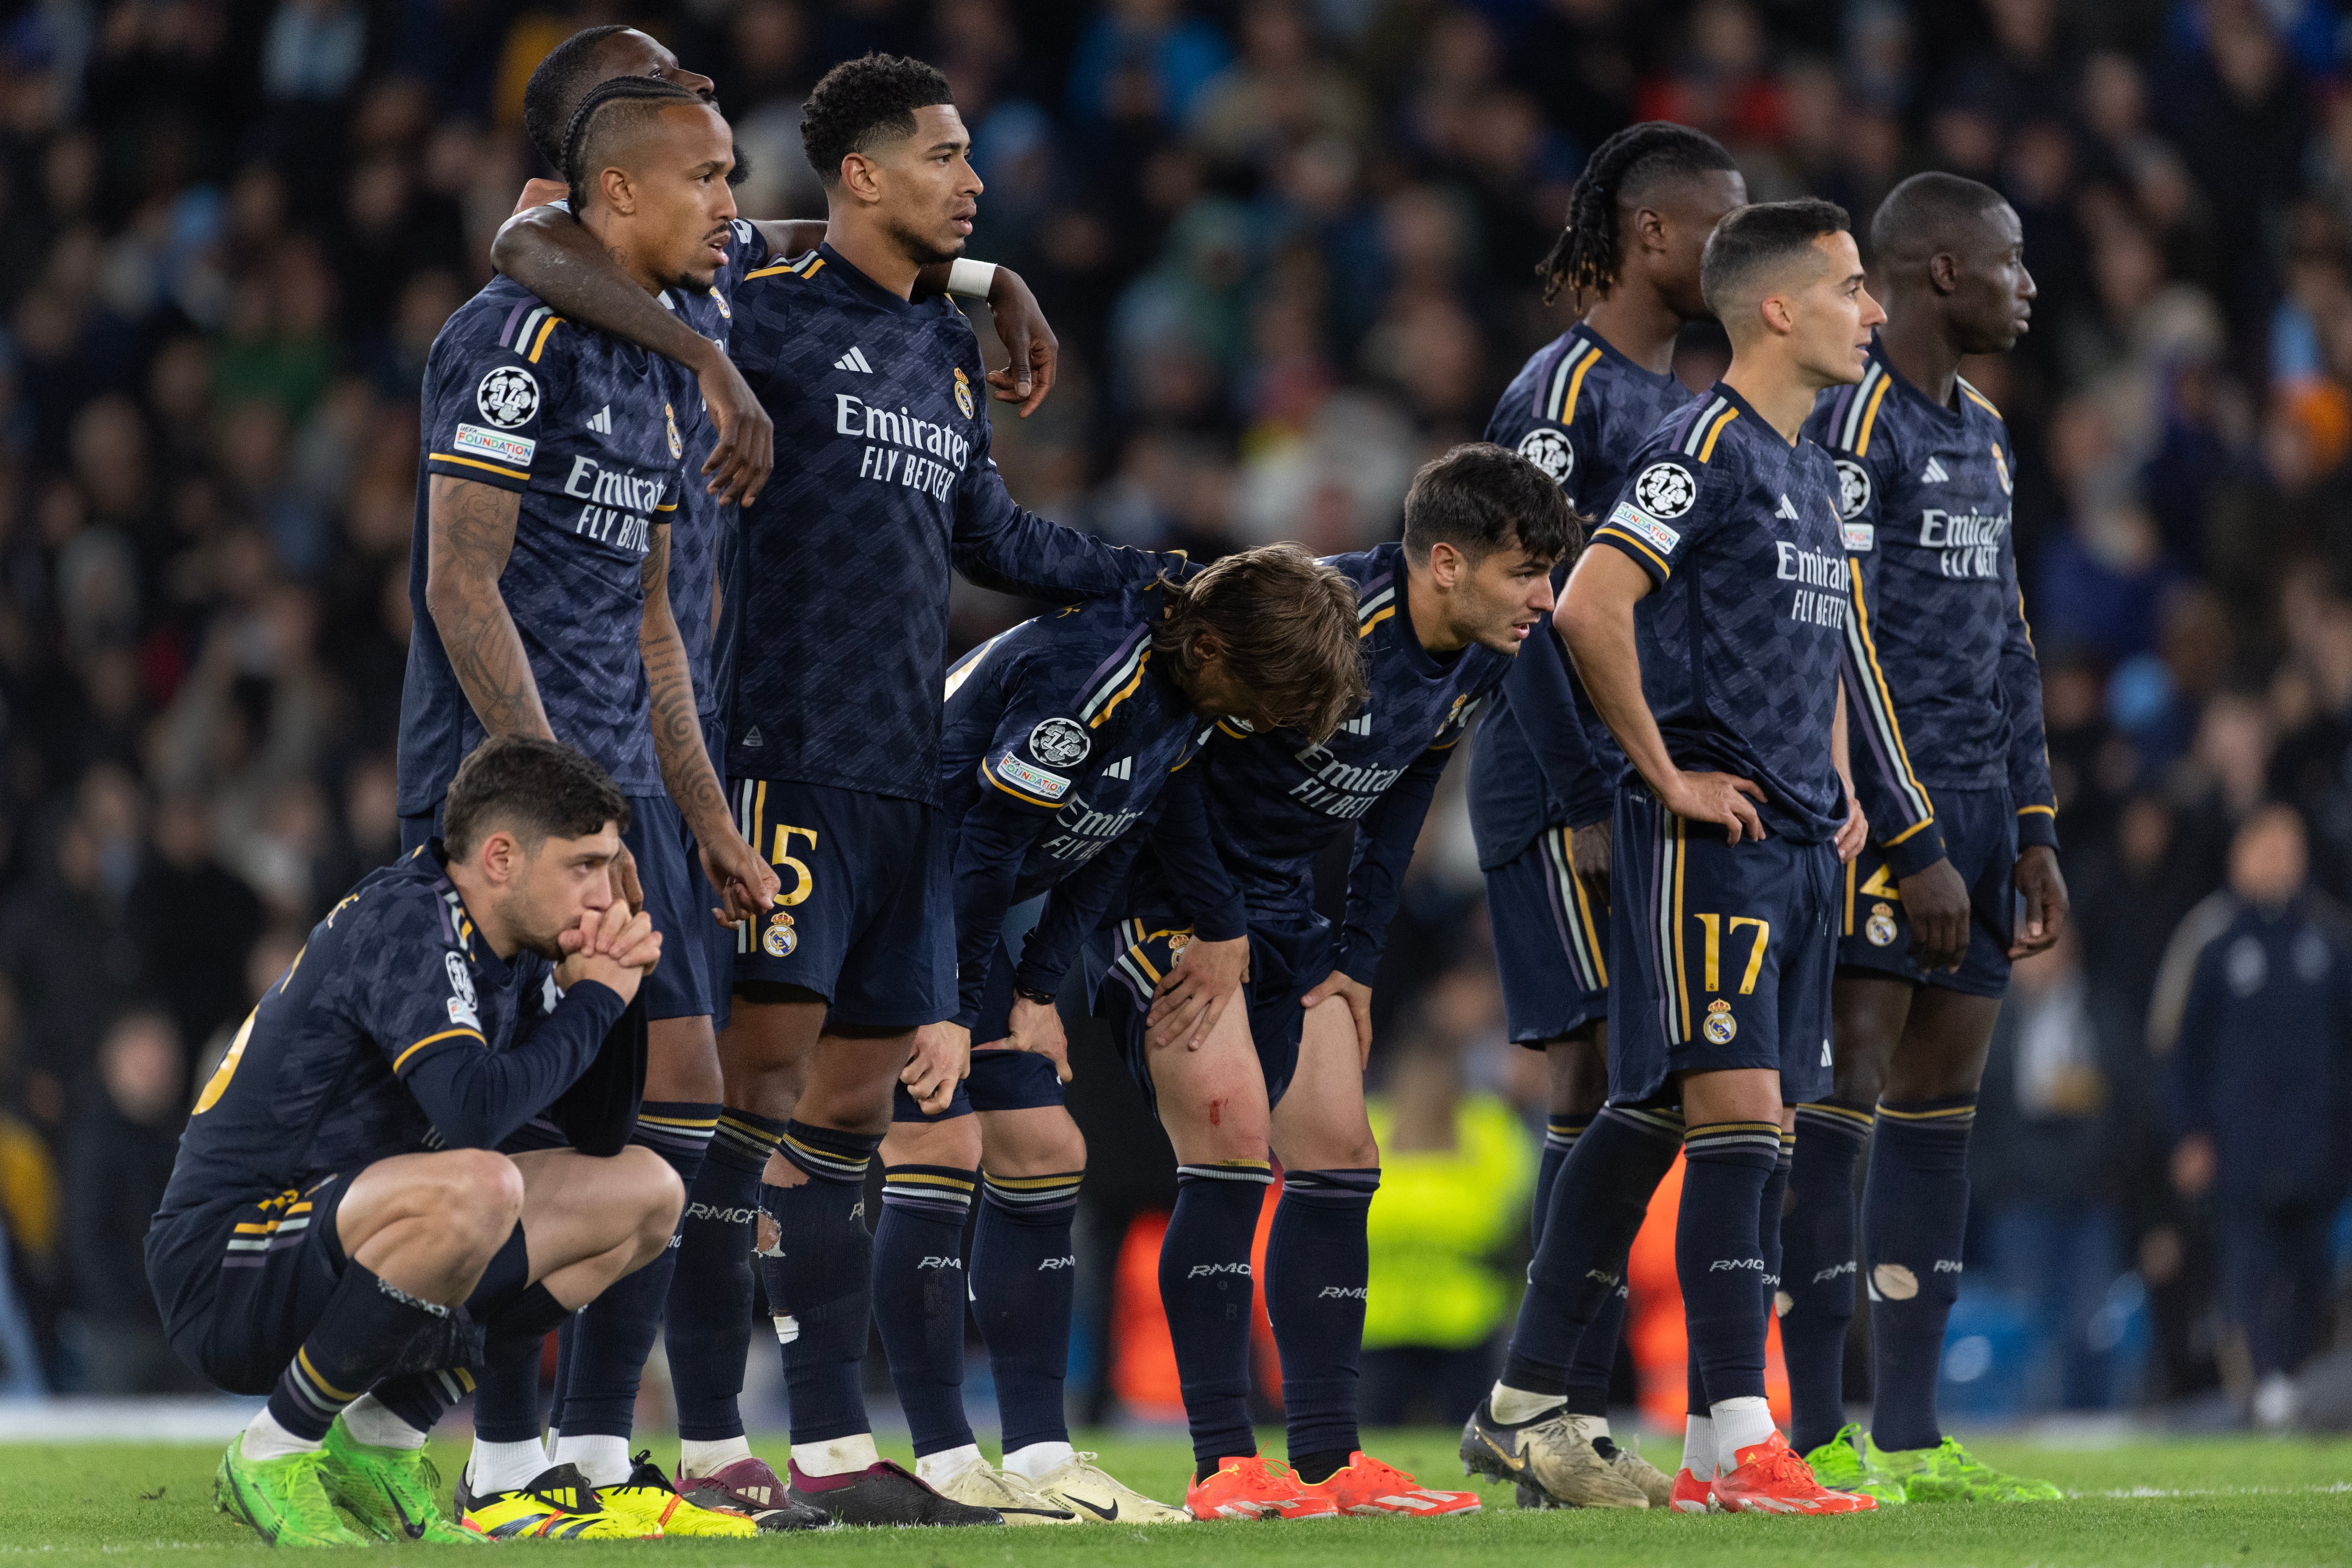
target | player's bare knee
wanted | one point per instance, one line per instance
(477, 1197)
(954, 1142)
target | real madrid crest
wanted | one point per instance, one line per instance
(1720, 1025)
(677, 446)
(964, 392)
(1880, 926)
(2000, 467)
(780, 938)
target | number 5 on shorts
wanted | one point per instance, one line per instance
(804, 880)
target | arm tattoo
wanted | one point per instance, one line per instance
(470, 533)
(686, 768)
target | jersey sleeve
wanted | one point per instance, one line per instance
(2021, 691)
(1902, 816)
(491, 399)
(1073, 908)
(1547, 429)
(1541, 700)
(1680, 491)
(998, 544)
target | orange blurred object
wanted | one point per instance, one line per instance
(1143, 1356)
(1654, 1331)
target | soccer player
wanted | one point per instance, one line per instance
(338, 1233)
(1950, 770)
(1543, 774)
(1440, 616)
(1708, 630)
(1067, 739)
(547, 251)
(553, 462)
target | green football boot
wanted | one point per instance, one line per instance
(1950, 1473)
(285, 1500)
(395, 1493)
(1841, 1466)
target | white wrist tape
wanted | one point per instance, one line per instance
(970, 278)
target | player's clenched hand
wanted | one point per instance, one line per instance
(1938, 902)
(941, 1059)
(1031, 348)
(616, 947)
(1360, 1004)
(1587, 853)
(2043, 888)
(1193, 993)
(745, 451)
(540, 193)
(1854, 832)
(745, 881)
(1721, 798)
(1037, 1028)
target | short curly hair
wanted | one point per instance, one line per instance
(553, 95)
(863, 102)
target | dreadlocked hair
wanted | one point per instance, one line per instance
(1584, 258)
(622, 104)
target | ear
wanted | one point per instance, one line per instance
(1447, 564)
(1944, 272)
(500, 857)
(1778, 313)
(619, 194)
(1649, 229)
(861, 176)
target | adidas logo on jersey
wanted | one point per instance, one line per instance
(1122, 769)
(1362, 724)
(1935, 474)
(1788, 509)
(602, 423)
(752, 739)
(854, 360)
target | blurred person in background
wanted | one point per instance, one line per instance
(2262, 1088)
(1457, 1168)
(119, 1161)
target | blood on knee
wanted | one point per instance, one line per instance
(1216, 1113)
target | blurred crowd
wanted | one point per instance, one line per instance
(1289, 246)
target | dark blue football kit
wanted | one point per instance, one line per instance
(1545, 767)
(1947, 718)
(1726, 951)
(883, 483)
(586, 429)
(396, 1030)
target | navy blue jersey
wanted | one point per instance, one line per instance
(585, 428)
(1742, 638)
(1953, 700)
(1579, 410)
(1275, 799)
(393, 1031)
(1063, 739)
(883, 482)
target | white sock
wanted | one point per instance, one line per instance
(504, 1467)
(602, 1458)
(1513, 1405)
(1038, 1460)
(838, 1457)
(709, 1458)
(1738, 1424)
(1591, 1428)
(938, 1470)
(1698, 1446)
(265, 1440)
(369, 1420)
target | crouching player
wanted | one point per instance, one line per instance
(1066, 739)
(338, 1233)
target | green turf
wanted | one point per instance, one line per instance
(2243, 1502)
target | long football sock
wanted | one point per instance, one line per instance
(1317, 1266)
(820, 1279)
(1720, 1255)
(367, 1323)
(708, 1333)
(1818, 1267)
(918, 1297)
(615, 1333)
(1597, 1207)
(1206, 1288)
(1021, 1285)
(1560, 1132)
(1915, 1212)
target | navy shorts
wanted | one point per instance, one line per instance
(1551, 942)
(1725, 953)
(1000, 1079)
(1290, 954)
(864, 915)
(1980, 835)
(677, 897)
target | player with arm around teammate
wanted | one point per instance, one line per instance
(1543, 776)
(338, 1232)
(1068, 739)
(1440, 616)
(1950, 768)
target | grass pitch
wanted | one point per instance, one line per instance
(2241, 1501)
